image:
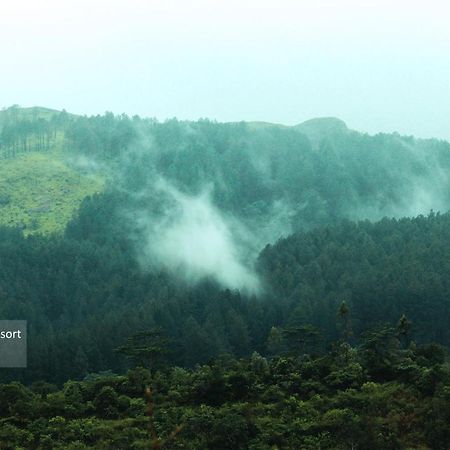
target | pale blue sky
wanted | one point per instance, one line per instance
(379, 65)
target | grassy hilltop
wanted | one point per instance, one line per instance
(40, 190)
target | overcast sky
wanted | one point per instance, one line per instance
(379, 65)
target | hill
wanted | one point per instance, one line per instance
(40, 192)
(40, 189)
(85, 292)
(16, 112)
(186, 247)
(176, 213)
(276, 178)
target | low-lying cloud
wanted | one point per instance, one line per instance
(190, 237)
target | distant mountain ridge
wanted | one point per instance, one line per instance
(309, 174)
(313, 128)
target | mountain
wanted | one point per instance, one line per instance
(275, 286)
(322, 128)
(16, 112)
(279, 179)
(214, 232)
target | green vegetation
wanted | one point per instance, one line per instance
(388, 393)
(30, 113)
(39, 189)
(39, 192)
(84, 294)
(307, 361)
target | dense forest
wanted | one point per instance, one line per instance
(251, 270)
(84, 297)
(387, 393)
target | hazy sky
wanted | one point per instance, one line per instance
(379, 65)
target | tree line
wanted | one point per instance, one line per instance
(385, 393)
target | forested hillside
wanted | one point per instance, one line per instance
(40, 188)
(84, 297)
(278, 179)
(292, 177)
(173, 240)
(128, 242)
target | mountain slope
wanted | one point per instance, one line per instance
(39, 191)
(39, 187)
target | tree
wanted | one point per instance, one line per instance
(302, 339)
(106, 403)
(381, 351)
(275, 342)
(404, 329)
(345, 321)
(146, 348)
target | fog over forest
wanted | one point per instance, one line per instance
(224, 225)
(204, 198)
(240, 278)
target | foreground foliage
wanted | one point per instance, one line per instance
(382, 395)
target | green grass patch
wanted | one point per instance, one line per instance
(40, 192)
